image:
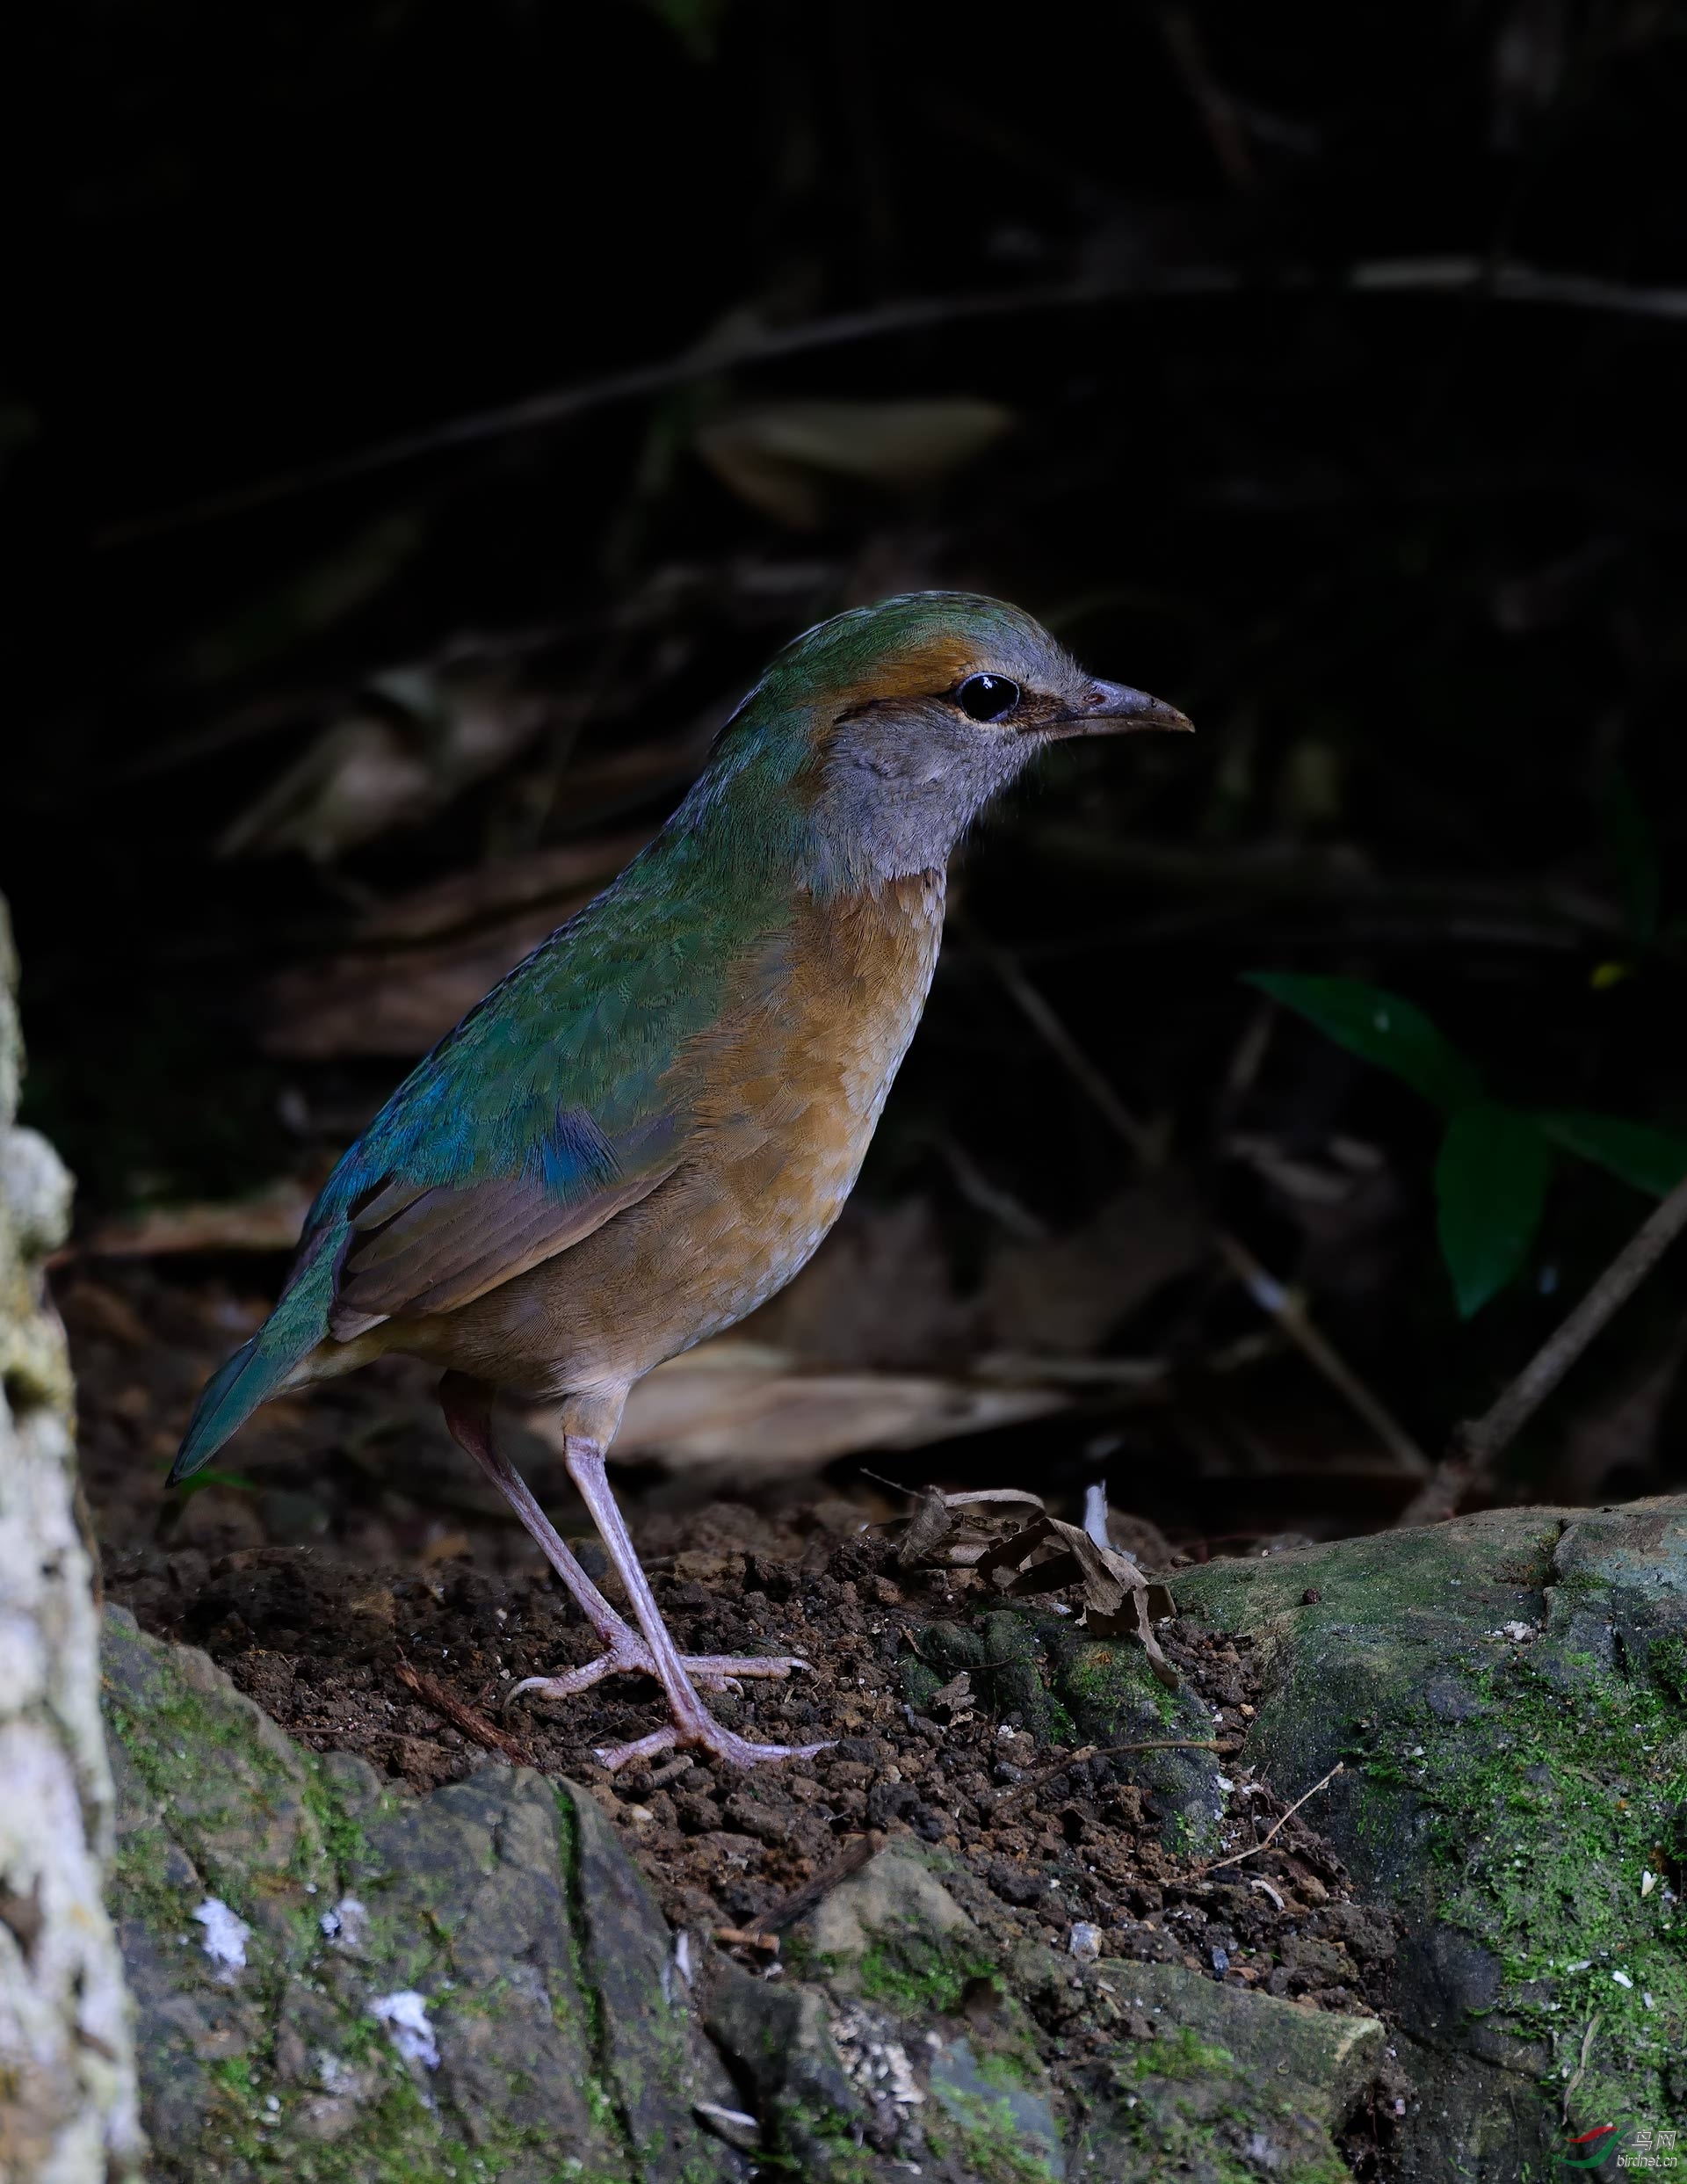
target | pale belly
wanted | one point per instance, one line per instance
(794, 1088)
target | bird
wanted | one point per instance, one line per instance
(646, 1128)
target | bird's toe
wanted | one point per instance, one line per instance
(613, 1756)
(707, 1668)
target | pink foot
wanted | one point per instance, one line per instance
(708, 1736)
(630, 1656)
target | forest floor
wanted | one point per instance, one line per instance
(355, 1582)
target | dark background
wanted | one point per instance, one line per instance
(1407, 543)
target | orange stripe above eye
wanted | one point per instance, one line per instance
(922, 670)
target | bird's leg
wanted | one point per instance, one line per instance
(467, 1411)
(692, 1724)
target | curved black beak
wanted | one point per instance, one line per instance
(1114, 709)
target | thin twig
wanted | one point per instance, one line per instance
(791, 1907)
(1291, 1317)
(1236, 1856)
(1270, 1294)
(993, 1800)
(1581, 2067)
(1181, 38)
(1476, 1447)
(1042, 1018)
(473, 1725)
(748, 1938)
(1502, 283)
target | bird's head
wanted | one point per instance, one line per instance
(893, 725)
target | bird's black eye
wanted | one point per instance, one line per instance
(986, 697)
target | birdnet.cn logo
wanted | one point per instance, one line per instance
(1623, 2146)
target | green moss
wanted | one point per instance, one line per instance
(594, 2086)
(263, 1824)
(1181, 2053)
(342, 1838)
(983, 2139)
(1183, 2107)
(1065, 1687)
(920, 1682)
(1666, 1662)
(141, 1886)
(1010, 1677)
(816, 2145)
(1110, 1683)
(920, 1973)
(1007, 2068)
(802, 1960)
(1547, 1807)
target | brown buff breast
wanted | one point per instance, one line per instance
(784, 1092)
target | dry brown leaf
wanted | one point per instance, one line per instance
(462, 900)
(270, 1221)
(880, 1293)
(953, 1696)
(1115, 1592)
(88, 1307)
(936, 1518)
(747, 1410)
(774, 454)
(928, 1529)
(1063, 1296)
(415, 739)
(397, 1006)
(386, 995)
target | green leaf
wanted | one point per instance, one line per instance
(1490, 1181)
(1378, 1027)
(1651, 1160)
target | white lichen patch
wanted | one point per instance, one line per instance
(877, 2064)
(226, 1937)
(346, 1923)
(405, 2015)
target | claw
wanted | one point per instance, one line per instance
(709, 1672)
(710, 1736)
(613, 1756)
(648, 1652)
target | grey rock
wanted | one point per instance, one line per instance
(1508, 1694)
(777, 2040)
(962, 2089)
(893, 1897)
(1320, 2061)
(68, 2079)
(471, 1983)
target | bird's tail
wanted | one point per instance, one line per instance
(258, 1368)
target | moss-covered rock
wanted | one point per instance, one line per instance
(1043, 1672)
(1506, 1693)
(338, 1983)
(1219, 2083)
(476, 1985)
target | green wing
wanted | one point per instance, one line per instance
(564, 1097)
(560, 1099)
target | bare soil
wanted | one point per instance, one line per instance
(360, 1586)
